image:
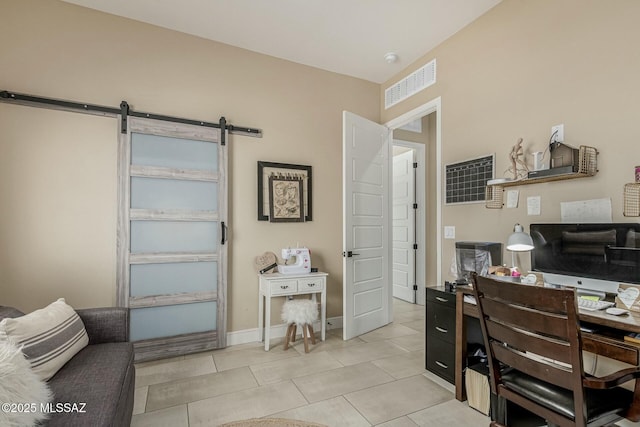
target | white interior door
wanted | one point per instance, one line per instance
(366, 225)
(404, 226)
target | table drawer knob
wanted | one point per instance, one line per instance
(442, 365)
(311, 285)
(442, 299)
(443, 330)
(284, 286)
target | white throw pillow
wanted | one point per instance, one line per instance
(22, 394)
(49, 337)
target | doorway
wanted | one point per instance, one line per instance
(430, 114)
(409, 208)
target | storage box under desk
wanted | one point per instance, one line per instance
(501, 410)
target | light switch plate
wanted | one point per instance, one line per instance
(449, 232)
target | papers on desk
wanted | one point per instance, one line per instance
(632, 337)
(470, 299)
(588, 328)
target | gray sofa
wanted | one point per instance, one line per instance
(102, 374)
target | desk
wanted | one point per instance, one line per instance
(280, 285)
(605, 343)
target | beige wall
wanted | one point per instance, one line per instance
(524, 66)
(521, 68)
(58, 169)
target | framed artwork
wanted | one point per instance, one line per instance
(290, 177)
(285, 199)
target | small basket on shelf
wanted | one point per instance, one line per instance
(632, 199)
(587, 160)
(493, 196)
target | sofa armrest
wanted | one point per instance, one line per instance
(9, 312)
(108, 324)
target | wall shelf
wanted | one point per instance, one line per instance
(588, 166)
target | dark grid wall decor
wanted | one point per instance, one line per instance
(467, 181)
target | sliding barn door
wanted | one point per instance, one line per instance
(171, 237)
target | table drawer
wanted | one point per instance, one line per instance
(311, 284)
(283, 287)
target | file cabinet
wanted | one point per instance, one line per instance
(441, 333)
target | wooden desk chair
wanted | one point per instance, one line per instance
(534, 334)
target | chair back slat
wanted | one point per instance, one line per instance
(538, 344)
(525, 295)
(526, 317)
(544, 370)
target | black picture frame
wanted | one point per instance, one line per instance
(284, 170)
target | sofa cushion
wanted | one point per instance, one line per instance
(100, 380)
(49, 337)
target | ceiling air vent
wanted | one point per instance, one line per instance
(410, 85)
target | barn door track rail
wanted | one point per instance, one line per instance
(124, 111)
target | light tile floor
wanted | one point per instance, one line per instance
(376, 379)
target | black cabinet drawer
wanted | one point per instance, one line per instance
(441, 358)
(441, 322)
(441, 297)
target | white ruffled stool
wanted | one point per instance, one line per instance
(302, 312)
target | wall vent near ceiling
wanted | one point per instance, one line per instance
(410, 85)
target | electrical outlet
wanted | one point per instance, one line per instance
(557, 133)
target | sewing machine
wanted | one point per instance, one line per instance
(302, 263)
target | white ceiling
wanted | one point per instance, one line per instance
(344, 36)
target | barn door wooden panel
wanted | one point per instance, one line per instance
(172, 237)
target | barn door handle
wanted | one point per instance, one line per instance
(224, 233)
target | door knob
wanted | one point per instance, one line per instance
(349, 254)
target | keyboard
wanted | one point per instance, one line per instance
(591, 305)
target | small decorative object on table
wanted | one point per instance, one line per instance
(266, 262)
(302, 263)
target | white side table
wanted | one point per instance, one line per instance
(278, 285)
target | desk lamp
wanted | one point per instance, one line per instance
(519, 241)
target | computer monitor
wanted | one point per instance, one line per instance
(590, 256)
(476, 257)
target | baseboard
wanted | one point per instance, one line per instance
(277, 331)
